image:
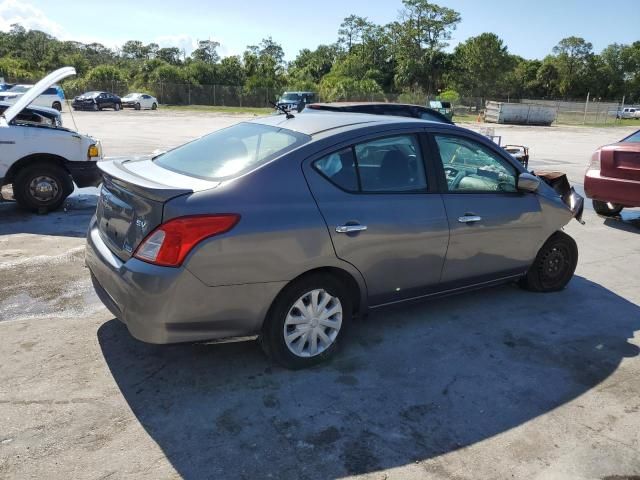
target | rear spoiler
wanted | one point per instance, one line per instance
(115, 172)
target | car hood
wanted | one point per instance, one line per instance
(34, 92)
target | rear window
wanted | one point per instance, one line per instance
(232, 151)
(633, 138)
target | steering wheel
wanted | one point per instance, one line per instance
(453, 176)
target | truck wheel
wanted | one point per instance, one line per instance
(554, 265)
(42, 187)
(607, 209)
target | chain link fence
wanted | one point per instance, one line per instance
(572, 112)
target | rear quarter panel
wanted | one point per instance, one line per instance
(280, 235)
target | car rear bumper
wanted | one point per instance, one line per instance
(609, 189)
(170, 305)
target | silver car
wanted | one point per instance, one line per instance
(285, 228)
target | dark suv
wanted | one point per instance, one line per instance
(96, 101)
(394, 109)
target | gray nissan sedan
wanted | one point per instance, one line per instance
(286, 228)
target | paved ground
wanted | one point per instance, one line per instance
(495, 384)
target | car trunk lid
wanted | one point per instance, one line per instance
(621, 160)
(132, 199)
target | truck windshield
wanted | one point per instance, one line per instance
(232, 151)
(290, 96)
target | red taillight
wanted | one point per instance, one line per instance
(594, 163)
(171, 242)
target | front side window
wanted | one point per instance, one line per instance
(471, 167)
(232, 151)
(391, 164)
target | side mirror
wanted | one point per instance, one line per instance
(528, 182)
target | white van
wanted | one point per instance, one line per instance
(40, 158)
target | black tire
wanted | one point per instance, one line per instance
(272, 337)
(96, 107)
(154, 106)
(57, 106)
(607, 209)
(25, 196)
(116, 107)
(554, 265)
(138, 107)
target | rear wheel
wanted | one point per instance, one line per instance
(57, 106)
(554, 265)
(42, 187)
(154, 106)
(306, 321)
(607, 209)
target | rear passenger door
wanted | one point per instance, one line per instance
(383, 214)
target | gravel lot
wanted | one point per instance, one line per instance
(499, 383)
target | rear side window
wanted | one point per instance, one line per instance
(232, 151)
(51, 91)
(633, 138)
(386, 165)
(392, 164)
(340, 169)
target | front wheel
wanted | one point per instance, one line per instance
(554, 265)
(137, 107)
(608, 209)
(116, 107)
(42, 187)
(306, 321)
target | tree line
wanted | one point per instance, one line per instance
(406, 58)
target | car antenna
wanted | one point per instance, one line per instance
(283, 109)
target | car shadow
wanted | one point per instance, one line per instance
(410, 384)
(628, 220)
(70, 220)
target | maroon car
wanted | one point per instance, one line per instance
(613, 176)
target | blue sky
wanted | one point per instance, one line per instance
(530, 28)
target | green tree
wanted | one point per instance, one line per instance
(418, 39)
(481, 64)
(207, 51)
(572, 55)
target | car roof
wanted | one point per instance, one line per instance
(312, 123)
(49, 112)
(356, 107)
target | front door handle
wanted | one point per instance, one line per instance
(350, 228)
(469, 218)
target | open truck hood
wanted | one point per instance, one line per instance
(34, 92)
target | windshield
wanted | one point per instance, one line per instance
(91, 94)
(290, 96)
(633, 138)
(132, 95)
(19, 89)
(232, 151)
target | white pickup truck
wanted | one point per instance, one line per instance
(43, 160)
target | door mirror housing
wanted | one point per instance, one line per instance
(528, 182)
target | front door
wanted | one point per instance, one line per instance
(495, 230)
(382, 216)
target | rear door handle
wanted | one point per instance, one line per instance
(469, 218)
(350, 228)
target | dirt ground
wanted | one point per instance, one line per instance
(499, 383)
